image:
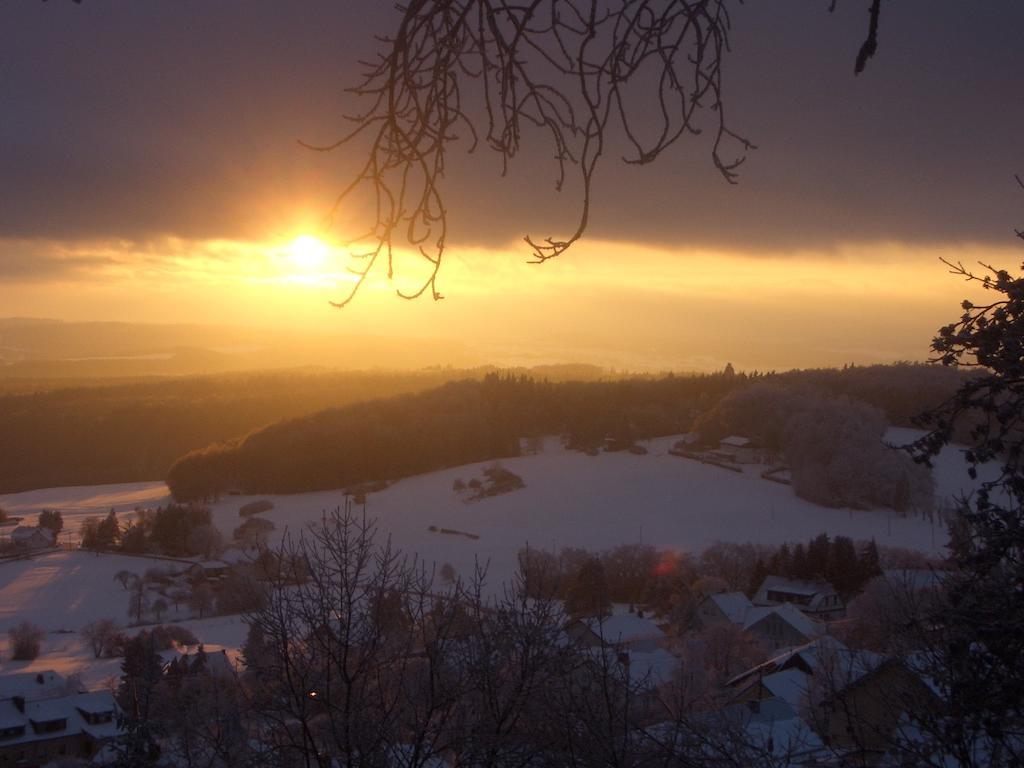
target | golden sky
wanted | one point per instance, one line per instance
(620, 304)
(149, 172)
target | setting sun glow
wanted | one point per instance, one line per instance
(308, 252)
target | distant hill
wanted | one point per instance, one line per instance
(52, 349)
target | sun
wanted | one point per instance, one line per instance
(308, 252)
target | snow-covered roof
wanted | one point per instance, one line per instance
(805, 587)
(788, 613)
(32, 685)
(733, 604)
(790, 685)
(66, 708)
(26, 533)
(657, 667)
(735, 441)
(624, 627)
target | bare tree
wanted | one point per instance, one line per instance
(491, 72)
(124, 577)
(201, 599)
(26, 640)
(99, 635)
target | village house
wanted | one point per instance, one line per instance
(815, 598)
(34, 685)
(33, 537)
(774, 627)
(37, 731)
(852, 698)
(722, 608)
(623, 630)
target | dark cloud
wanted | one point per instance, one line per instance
(124, 119)
(32, 260)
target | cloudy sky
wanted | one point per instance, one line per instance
(150, 170)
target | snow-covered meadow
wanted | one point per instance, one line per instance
(570, 499)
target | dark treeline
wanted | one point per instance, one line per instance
(470, 421)
(458, 423)
(131, 432)
(175, 530)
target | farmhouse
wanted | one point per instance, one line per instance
(36, 732)
(815, 598)
(33, 537)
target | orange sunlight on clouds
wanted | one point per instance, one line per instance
(620, 304)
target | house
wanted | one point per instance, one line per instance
(33, 685)
(37, 732)
(815, 598)
(774, 627)
(854, 698)
(861, 702)
(780, 626)
(33, 537)
(723, 608)
(622, 630)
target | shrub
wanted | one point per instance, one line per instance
(255, 507)
(240, 594)
(253, 532)
(26, 641)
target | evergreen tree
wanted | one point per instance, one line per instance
(587, 595)
(818, 550)
(757, 577)
(52, 519)
(798, 565)
(869, 563)
(108, 532)
(843, 570)
(141, 672)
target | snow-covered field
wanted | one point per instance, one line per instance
(570, 499)
(594, 502)
(76, 503)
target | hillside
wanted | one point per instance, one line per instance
(469, 421)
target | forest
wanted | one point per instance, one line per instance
(470, 421)
(124, 432)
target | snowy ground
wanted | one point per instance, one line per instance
(595, 502)
(570, 499)
(67, 653)
(77, 503)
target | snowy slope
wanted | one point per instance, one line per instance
(596, 502)
(76, 503)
